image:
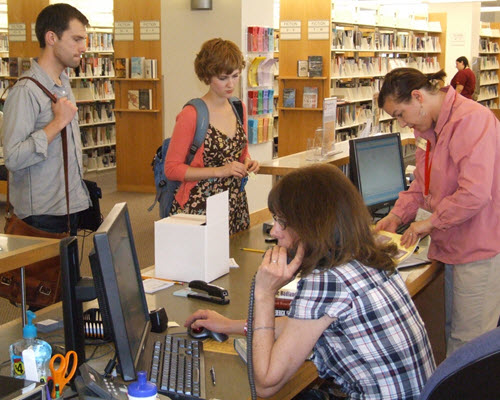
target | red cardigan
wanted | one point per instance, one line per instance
(182, 138)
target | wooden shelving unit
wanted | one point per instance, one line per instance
(139, 132)
(298, 124)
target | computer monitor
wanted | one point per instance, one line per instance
(118, 284)
(376, 168)
(75, 291)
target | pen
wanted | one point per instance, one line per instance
(212, 374)
(253, 250)
(162, 279)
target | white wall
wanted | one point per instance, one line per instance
(182, 34)
(463, 19)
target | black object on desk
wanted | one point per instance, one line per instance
(213, 293)
(159, 320)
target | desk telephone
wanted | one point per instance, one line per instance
(90, 385)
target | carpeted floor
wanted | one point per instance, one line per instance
(142, 224)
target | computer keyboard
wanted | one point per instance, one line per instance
(178, 368)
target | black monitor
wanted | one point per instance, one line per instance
(118, 284)
(376, 168)
(75, 291)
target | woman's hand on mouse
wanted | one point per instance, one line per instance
(215, 322)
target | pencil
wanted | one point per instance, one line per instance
(162, 279)
(253, 250)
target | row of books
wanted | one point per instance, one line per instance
(101, 158)
(140, 99)
(260, 101)
(260, 130)
(487, 92)
(489, 62)
(100, 41)
(91, 66)
(486, 45)
(260, 39)
(136, 68)
(93, 90)
(489, 78)
(98, 136)
(349, 67)
(352, 38)
(14, 66)
(350, 114)
(309, 97)
(95, 113)
(352, 91)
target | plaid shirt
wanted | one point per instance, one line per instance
(377, 347)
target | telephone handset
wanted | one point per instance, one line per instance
(93, 386)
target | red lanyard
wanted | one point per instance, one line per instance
(428, 167)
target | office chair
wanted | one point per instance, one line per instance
(471, 372)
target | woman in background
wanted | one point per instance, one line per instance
(464, 81)
(457, 190)
(352, 308)
(223, 161)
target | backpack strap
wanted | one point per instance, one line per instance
(202, 120)
(201, 126)
(237, 108)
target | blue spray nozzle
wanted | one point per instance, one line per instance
(29, 330)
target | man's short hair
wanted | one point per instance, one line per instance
(56, 18)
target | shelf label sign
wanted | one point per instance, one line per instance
(457, 39)
(290, 30)
(124, 30)
(150, 30)
(17, 32)
(318, 29)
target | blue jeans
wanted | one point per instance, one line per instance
(54, 223)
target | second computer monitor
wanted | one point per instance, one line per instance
(376, 168)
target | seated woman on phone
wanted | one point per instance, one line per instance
(352, 308)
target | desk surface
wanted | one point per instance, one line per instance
(230, 370)
(283, 165)
(17, 251)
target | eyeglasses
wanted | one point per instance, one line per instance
(280, 221)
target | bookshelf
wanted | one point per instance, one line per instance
(138, 132)
(489, 53)
(360, 48)
(93, 88)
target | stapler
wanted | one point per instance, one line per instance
(207, 292)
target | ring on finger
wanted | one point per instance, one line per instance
(274, 261)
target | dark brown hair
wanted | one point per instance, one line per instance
(463, 60)
(330, 218)
(217, 56)
(401, 82)
(56, 18)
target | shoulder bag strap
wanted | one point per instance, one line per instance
(64, 149)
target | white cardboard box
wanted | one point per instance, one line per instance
(189, 247)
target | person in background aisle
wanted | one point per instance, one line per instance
(457, 187)
(32, 125)
(464, 81)
(352, 308)
(223, 161)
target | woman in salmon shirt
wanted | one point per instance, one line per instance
(457, 185)
(223, 161)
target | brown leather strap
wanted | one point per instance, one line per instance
(64, 138)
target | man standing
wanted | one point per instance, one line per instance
(32, 127)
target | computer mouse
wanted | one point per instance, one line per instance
(203, 333)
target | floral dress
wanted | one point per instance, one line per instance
(220, 150)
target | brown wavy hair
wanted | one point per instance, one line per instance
(217, 56)
(330, 218)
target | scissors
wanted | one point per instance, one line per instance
(60, 374)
